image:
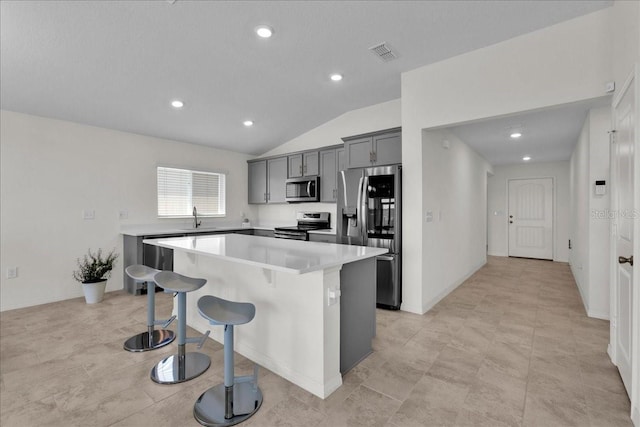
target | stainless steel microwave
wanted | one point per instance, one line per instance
(305, 189)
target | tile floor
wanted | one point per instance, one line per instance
(510, 347)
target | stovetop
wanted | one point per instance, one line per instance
(309, 221)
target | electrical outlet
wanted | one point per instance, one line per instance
(124, 214)
(89, 214)
(12, 272)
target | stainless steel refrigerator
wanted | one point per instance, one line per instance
(369, 214)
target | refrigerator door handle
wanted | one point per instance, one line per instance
(363, 209)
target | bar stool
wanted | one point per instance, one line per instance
(238, 398)
(183, 366)
(151, 339)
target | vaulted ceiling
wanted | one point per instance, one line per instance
(119, 64)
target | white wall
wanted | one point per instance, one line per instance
(564, 63)
(579, 232)
(456, 195)
(52, 170)
(589, 234)
(498, 202)
(369, 119)
(626, 38)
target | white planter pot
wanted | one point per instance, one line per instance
(94, 292)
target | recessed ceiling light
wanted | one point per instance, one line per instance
(336, 77)
(515, 135)
(264, 31)
(176, 103)
(248, 123)
(526, 158)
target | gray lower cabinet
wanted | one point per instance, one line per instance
(374, 149)
(357, 312)
(303, 164)
(324, 238)
(331, 162)
(263, 233)
(267, 180)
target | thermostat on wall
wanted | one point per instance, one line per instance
(601, 188)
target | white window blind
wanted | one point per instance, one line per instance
(179, 190)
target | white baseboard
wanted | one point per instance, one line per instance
(497, 254)
(610, 353)
(598, 314)
(635, 416)
(411, 308)
(446, 291)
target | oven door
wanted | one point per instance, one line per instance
(281, 233)
(302, 189)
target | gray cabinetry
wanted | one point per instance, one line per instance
(324, 238)
(331, 161)
(303, 164)
(267, 180)
(276, 179)
(375, 149)
(258, 182)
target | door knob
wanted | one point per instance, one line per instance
(510, 222)
(623, 260)
(510, 216)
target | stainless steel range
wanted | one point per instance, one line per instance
(306, 221)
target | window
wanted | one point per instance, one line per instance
(179, 190)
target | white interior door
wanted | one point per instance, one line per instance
(622, 227)
(531, 218)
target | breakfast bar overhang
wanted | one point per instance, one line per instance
(315, 302)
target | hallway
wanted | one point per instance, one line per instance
(512, 346)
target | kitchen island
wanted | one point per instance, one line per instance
(315, 302)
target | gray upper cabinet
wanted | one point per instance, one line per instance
(387, 148)
(340, 156)
(267, 180)
(303, 164)
(328, 176)
(258, 182)
(358, 152)
(376, 149)
(331, 162)
(277, 178)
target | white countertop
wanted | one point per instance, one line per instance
(156, 230)
(159, 229)
(289, 256)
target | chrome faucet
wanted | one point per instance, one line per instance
(196, 224)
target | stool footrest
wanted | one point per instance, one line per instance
(200, 341)
(248, 378)
(165, 322)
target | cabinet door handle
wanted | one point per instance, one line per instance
(375, 157)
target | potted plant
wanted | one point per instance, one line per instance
(93, 271)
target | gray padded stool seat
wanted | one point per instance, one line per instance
(183, 366)
(151, 339)
(238, 398)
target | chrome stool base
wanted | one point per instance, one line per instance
(210, 407)
(174, 369)
(144, 342)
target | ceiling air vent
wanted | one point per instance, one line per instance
(383, 51)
